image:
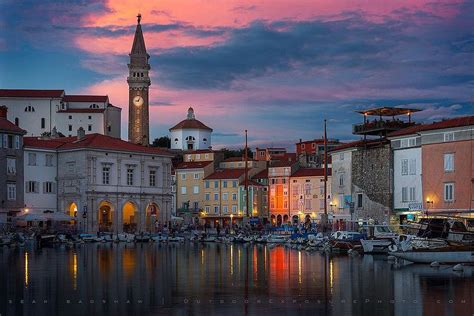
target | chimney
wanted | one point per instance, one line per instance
(3, 111)
(301, 140)
(81, 133)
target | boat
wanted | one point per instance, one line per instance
(176, 239)
(142, 237)
(379, 239)
(277, 238)
(345, 240)
(125, 237)
(445, 254)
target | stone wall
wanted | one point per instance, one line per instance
(372, 172)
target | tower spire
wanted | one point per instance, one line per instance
(138, 47)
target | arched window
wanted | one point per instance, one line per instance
(29, 108)
(94, 106)
(17, 121)
(175, 139)
(204, 139)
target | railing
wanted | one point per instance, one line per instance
(374, 126)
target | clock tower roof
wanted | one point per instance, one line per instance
(138, 47)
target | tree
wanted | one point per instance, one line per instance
(163, 142)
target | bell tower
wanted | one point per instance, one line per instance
(138, 83)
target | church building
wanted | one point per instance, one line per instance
(190, 134)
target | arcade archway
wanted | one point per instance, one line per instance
(129, 211)
(105, 216)
(152, 212)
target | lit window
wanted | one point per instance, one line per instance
(11, 191)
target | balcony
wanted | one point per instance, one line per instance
(379, 127)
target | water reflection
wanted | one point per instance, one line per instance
(151, 279)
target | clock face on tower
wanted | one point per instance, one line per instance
(138, 100)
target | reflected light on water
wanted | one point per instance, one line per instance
(74, 271)
(26, 269)
(231, 260)
(331, 275)
(300, 273)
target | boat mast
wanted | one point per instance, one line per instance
(325, 219)
(246, 177)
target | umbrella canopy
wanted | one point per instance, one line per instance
(31, 217)
(41, 217)
(58, 217)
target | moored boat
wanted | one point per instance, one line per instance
(445, 254)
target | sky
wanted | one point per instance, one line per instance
(276, 68)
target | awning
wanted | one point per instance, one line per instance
(41, 217)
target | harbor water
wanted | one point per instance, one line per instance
(222, 279)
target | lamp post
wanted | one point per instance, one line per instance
(428, 203)
(231, 224)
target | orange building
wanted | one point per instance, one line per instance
(447, 166)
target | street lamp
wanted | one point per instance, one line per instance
(231, 218)
(428, 203)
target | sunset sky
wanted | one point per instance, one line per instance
(276, 68)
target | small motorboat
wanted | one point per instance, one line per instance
(142, 237)
(176, 239)
(446, 254)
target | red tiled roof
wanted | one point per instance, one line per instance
(251, 183)
(358, 143)
(190, 124)
(94, 141)
(82, 111)
(310, 172)
(261, 175)
(6, 125)
(85, 98)
(193, 165)
(24, 93)
(226, 174)
(451, 123)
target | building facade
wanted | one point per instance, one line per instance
(44, 112)
(11, 166)
(191, 134)
(307, 195)
(279, 175)
(342, 197)
(105, 183)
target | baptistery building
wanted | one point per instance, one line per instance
(190, 134)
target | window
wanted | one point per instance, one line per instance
(204, 139)
(341, 201)
(48, 161)
(359, 200)
(412, 142)
(234, 184)
(307, 204)
(404, 167)
(183, 190)
(225, 209)
(412, 166)
(17, 121)
(449, 137)
(196, 189)
(449, 192)
(341, 156)
(302, 146)
(29, 108)
(216, 196)
(31, 159)
(313, 145)
(43, 123)
(70, 117)
(153, 178)
(48, 187)
(208, 196)
(208, 209)
(94, 106)
(224, 184)
(17, 142)
(412, 194)
(130, 176)
(70, 128)
(11, 191)
(405, 194)
(216, 209)
(225, 196)
(404, 143)
(449, 162)
(207, 184)
(198, 156)
(196, 176)
(105, 175)
(11, 166)
(307, 188)
(89, 127)
(206, 156)
(183, 176)
(283, 181)
(341, 179)
(90, 117)
(234, 196)
(5, 141)
(32, 187)
(216, 184)
(234, 208)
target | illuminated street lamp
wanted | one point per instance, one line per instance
(428, 203)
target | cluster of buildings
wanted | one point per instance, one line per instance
(61, 157)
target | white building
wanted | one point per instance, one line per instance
(190, 134)
(407, 182)
(342, 199)
(40, 111)
(106, 183)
